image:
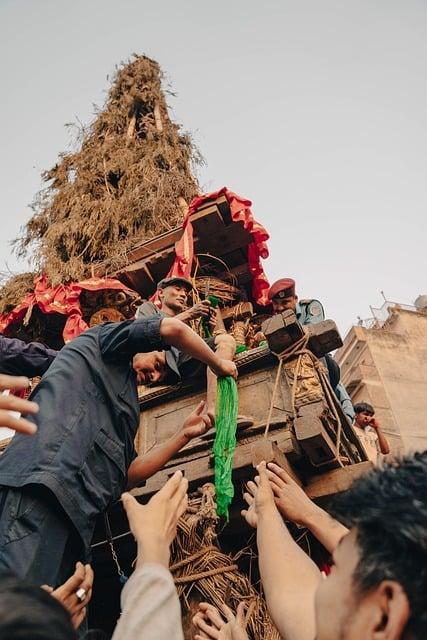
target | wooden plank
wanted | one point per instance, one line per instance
(335, 481)
(200, 470)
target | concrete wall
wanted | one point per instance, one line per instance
(388, 368)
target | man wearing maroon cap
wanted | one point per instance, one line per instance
(282, 296)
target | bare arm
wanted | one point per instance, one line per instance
(147, 465)
(382, 440)
(177, 334)
(294, 504)
(289, 577)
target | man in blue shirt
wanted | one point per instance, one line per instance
(282, 296)
(54, 484)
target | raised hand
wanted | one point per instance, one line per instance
(198, 422)
(292, 502)
(12, 403)
(225, 368)
(154, 524)
(211, 624)
(75, 593)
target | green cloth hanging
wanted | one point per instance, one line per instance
(225, 442)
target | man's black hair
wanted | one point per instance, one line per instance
(362, 407)
(388, 507)
(27, 612)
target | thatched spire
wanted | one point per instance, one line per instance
(120, 189)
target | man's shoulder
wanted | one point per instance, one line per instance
(147, 308)
(312, 309)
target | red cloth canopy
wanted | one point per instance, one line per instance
(240, 209)
(64, 299)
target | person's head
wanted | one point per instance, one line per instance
(156, 366)
(282, 295)
(173, 294)
(28, 612)
(364, 412)
(378, 584)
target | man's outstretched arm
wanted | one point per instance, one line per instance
(289, 577)
(148, 464)
(295, 505)
(179, 335)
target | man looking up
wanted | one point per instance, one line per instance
(56, 483)
(282, 296)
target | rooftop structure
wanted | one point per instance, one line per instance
(384, 362)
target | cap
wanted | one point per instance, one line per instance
(284, 288)
(168, 282)
(172, 356)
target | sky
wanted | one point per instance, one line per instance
(313, 109)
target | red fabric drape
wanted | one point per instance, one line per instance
(240, 209)
(64, 299)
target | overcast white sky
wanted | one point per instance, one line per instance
(313, 109)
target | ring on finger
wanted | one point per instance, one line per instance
(81, 594)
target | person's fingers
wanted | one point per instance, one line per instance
(283, 475)
(87, 581)
(200, 408)
(211, 417)
(214, 616)
(130, 505)
(275, 479)
(180, 492)
(249, 499)
(229, 615)
(182, 507)
(251, 487)
(241, 614)
(208, 628)
(78, 618)
(47, 588)
(256, 480)
(74, 582)
(13, 403)
(171, 486)
(13, 382)
(20, 425)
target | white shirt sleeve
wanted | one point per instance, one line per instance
(150, 606)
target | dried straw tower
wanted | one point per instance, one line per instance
(126, 184)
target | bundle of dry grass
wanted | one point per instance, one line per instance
(13, 289)
(202, 571)
(120, 189)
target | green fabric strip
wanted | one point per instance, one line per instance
(225, 442)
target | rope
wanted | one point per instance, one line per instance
(194, 556)
(205, 574)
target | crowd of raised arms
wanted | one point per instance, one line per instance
(73, 456)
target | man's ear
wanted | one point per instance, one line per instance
(296, 298)
(160, 294)
(393, 611)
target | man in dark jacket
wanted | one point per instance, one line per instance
(55, 483)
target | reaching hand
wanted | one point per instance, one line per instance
(75, 593)
(259, 497)
(250, 514)
(211, 624)
(225, 368)
(292, 502)
(198, 422)
(154, 524)
(12, 403)
(202, 309)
